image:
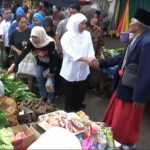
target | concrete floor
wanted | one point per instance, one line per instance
(96, 104)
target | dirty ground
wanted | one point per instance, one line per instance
(96, 103)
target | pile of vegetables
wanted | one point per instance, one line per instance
(38, 108)
(16, 89)
(5, 142)
(112, 52)
(3, 119)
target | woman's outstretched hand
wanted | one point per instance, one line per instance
(10, 69)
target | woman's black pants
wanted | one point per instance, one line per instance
(74, 95)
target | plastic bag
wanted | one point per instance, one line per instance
(49, 86)
(2, 91)
(28, 66)
(87, 144)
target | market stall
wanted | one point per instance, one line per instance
(91, 135)
(24, 120)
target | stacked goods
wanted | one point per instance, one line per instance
(92, 135)
(98, 136)
(70, 121)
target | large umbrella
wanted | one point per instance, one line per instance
(124, 22)
(66, 3)
(114, 21)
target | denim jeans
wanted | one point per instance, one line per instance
(41, 80)
(110, 71)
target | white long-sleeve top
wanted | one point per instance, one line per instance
(73, 69)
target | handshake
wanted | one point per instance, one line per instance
(93, 62)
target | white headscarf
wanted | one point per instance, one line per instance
(41, 34)
(72, 26)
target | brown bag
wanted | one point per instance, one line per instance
(9, 106)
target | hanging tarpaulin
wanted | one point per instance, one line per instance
(124, 22)
(66, 3)
(114, 21)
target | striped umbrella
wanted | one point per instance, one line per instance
(124, 22)
(114, 21)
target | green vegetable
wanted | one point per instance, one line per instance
(3, 119)
(16, 89)
(5, 142)
(11, 77)
(112, 52)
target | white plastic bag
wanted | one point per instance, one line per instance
(49, 85)
(2, 91)
(27, 66)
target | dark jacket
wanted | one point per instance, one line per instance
(140, 55)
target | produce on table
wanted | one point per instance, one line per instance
(112, 52)
(16, 89)
(38, 108)
(3, 119)
(5, 141)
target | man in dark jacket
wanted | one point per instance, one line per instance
(131, 83)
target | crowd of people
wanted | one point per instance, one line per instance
(72, 49)
(20, 30)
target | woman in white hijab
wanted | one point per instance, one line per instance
(78, 54)
(44, 48)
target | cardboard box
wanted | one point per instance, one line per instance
(44, 125)
(35, 128)
(24, 143)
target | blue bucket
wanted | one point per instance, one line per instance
(124, 36)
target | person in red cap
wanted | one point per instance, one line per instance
(131, 84)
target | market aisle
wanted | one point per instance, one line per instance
(96, 105)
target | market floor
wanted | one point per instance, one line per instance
(96, 103)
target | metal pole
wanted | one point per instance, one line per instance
(1, 52)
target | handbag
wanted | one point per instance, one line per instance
(130, 75)
(28, 65)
